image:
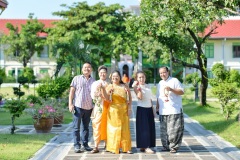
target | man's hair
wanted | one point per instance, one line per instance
(102, 67)
(88, 63)
(164, 67)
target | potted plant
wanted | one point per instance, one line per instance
(43, 114)
(59, 105)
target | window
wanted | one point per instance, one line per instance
(209, 50)
(236, 50)
(20, 72)
(44, 53)
(210, 74)
(16, 53)
(11, 72)
(43, 71)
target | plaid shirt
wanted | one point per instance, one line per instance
(82, 96)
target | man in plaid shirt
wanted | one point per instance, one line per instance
(80, 104)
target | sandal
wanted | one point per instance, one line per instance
(173, 150)
(129, 152)
(105, 149)
(95, 150)
(149, 151)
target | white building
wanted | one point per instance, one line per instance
(224, 45)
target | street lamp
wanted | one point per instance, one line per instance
(3, 5)
(101, 60)
(154, 67)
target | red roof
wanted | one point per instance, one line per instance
(229, 29)
(18, 22)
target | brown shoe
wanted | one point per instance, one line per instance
(142, 149)
(95, 150)
(149, 151)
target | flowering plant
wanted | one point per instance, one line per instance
(42, 109)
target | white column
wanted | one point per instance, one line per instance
(140, 60)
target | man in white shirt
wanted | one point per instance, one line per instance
(99, 114)
(169, 105)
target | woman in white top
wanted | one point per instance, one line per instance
(145, 125)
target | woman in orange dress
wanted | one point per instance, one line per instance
(118, 129)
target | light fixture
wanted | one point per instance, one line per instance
(1, 9)
(3, 5)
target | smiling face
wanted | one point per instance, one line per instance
(102, 74)
(116, 78)
(87, 69)
(164, 73)
(141, 78)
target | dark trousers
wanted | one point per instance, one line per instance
(81, 115)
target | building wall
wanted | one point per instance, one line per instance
(223, 53)
(39, 64)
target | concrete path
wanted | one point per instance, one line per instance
(198, 144)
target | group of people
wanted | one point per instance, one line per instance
(113, 107)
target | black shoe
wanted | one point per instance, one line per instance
(77, 149)
(87, 148)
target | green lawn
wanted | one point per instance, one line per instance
(26, 119)
(7, 92)
(20, 146)
(211, 118)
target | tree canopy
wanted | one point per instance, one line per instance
(25, 42)
(180, 25)
(97, 25)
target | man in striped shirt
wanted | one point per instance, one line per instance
(80, 104)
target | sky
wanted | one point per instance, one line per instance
(42, 9)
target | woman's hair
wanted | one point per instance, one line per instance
(138, 72)
(116, 71)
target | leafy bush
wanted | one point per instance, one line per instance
(54, 88)
(15, 107)
(225, 89)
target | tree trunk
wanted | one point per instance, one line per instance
(204, 81)
(13, 125)
(58, 68)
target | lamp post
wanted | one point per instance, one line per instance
(154, 67)
(101, 60)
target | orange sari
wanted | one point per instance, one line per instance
(118, 131)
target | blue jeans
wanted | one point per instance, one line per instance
(81, 115)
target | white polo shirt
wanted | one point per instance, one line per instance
(173, 103)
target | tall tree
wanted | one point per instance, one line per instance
(97, 25)
(23, 43)
(170, 21)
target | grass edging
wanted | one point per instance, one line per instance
(211, 119)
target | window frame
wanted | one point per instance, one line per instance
(209, 52)
(238, 53)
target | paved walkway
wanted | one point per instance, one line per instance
(198, 144)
